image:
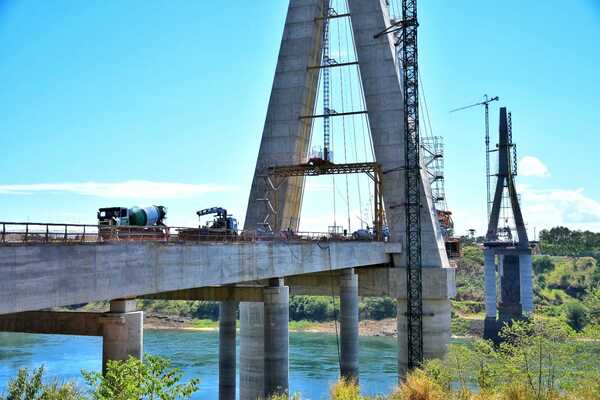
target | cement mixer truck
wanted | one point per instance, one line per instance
(143, 222)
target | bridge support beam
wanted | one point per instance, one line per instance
(227, 318)
(277, 313)
(252, 359)
(349, 325)
(122, 332)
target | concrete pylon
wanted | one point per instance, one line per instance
(383, 92)
(349, 325)
(252, 354)
(122, 332)
(514, 267)
(286, 136)
(286, 140)
(277, 316)
(227, 350)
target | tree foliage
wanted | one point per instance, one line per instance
(151, 379)
(562, 241)
(30, 386)
(538, 360)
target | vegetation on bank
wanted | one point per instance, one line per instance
(302, 308)
(154, 378)
(566, 282)
(539, 360)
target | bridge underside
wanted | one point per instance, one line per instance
(37, 277)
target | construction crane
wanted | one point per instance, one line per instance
(223, 223)
(223, 227)
(407, 27)
(486, 104)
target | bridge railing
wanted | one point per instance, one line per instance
(33, 232)
(19, 232)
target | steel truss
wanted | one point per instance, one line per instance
(409, 61)
(276, 176)
(410, 72)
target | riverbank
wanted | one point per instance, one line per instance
(385, 327)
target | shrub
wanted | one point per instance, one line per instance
(419, 386)
(577, 316)
(153, 378)
(542, 265)
(345, 389)
(378, 308)
(31, 387)
(311, 308)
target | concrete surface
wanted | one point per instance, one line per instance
(286, 137)
(383, 94)
(43, 276)
(349, 325)
(276, 339)
(122, 333)
(227, 350)
(252, 356)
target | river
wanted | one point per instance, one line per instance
(313, 359)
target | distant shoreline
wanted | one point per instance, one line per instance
(383, 328)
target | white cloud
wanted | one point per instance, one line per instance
(542, 209)
(551, 207)
(118, 190)
(533, 166)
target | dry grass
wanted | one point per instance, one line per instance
(418, 386)
(345, 390)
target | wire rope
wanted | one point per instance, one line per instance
(366, 129)
(348, 27)
(342, 100)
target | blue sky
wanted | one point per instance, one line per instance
(174, 95)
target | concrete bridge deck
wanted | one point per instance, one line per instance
(40, 276)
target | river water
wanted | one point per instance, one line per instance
(313, 359)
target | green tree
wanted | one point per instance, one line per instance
(592, 303)
(378, 308)
(26, 386)
(577, 316)
(542, 265)
(154, 378)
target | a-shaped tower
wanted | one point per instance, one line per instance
(274, 206)
(506, 256)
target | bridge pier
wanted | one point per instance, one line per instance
(252, 359)
(276, 347)
(349, 325)
(438, 287)
(122, 332)
(227, 318)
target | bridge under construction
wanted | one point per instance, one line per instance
(52, 265)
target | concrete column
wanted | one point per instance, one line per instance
(436, 331)
(500, 265)
(227, 318)
(526, 286)
(277, 316)
(349, 325)
(122, 332)
(489, 273)
(252, 358)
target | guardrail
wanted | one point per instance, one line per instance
(35, 232)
